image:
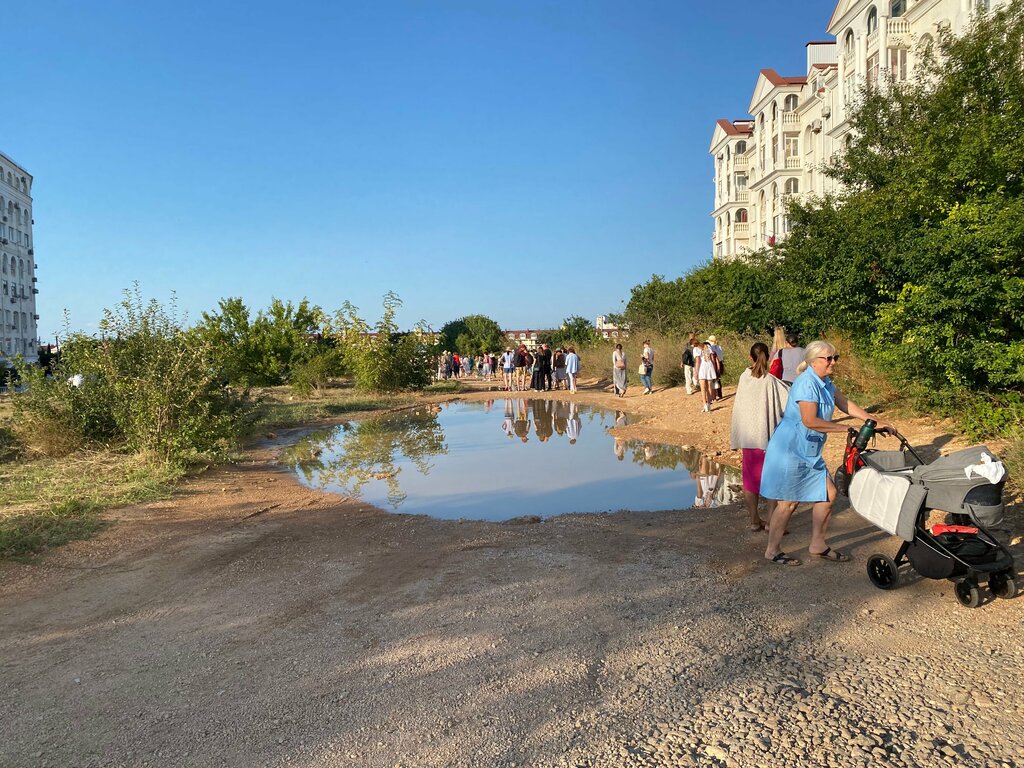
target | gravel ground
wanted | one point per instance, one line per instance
(251, 622)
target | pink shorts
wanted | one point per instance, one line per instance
(753, 462)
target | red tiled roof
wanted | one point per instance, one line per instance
(776, 79)
(737, 128)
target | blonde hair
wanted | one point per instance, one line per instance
(817, 348)
(779, 339)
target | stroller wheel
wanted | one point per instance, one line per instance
(967, 593)
(1003, 585)
(882, 572)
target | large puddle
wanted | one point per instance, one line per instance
(500, 459)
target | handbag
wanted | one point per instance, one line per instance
(642, 370)
(775, 369)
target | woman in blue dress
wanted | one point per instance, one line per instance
(794, 470)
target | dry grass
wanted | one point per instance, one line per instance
(46, 502)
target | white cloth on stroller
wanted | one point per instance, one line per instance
(989, 468)
(888, 501)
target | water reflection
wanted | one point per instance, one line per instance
(450, 461)
(351, 455)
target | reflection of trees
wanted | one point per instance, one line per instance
(350, 456)
(659, 456)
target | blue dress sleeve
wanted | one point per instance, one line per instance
(804, 389)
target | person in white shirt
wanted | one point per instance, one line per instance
(572, 368)
(507, 367)
(648, 357)
(713, 341)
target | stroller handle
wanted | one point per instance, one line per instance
(904, 443)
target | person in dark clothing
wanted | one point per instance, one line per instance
(544, 360)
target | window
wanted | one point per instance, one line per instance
(872, 20)
(792, 145)
(741, 216)
(741, 147)
(898, 64)
(792, 186)
(897, 8)
(791, 103)
(741, 182)
(848, 45)
(872, 73)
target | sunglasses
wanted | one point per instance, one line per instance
(829, 358)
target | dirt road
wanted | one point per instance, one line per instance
(251, 622)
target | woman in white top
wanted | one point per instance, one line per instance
(619, 371)
(707, 373)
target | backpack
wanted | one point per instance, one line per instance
(688, 356)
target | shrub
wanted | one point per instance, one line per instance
(148, 385)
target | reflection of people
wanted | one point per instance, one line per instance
(506, 424)
(619, 364)
(619, 446)
(561, 413)
(648, 453)
(572, 427)
(756, 412)
(708, 474)
(522, 420)
(542, 419)
(794, 469)
(620, 419)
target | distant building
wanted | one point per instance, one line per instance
(18, 329)
(608, 331)
(527, 337)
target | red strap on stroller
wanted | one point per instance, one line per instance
(937, 529)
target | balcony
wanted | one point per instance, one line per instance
(740, 163)
(742, 197)
(790, 118)
(741, 229)
(792, 163)
(898, 26)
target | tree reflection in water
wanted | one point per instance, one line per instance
(351, 455)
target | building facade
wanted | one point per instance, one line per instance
(18, 290)
(797, 123)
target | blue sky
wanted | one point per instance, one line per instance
(525, 160)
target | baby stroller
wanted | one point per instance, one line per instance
(895, 490)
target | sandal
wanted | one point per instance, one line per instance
(756, 527)
(783, 559)
(833, 556)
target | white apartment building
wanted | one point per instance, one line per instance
(799, 122)
(18, 316)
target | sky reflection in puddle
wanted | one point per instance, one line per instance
(505, 458)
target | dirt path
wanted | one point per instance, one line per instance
(248, 621)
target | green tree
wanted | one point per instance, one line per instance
(576, 330)
(471, 335)
(261, 350)
(386, 359)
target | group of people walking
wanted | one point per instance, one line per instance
(519, 368)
